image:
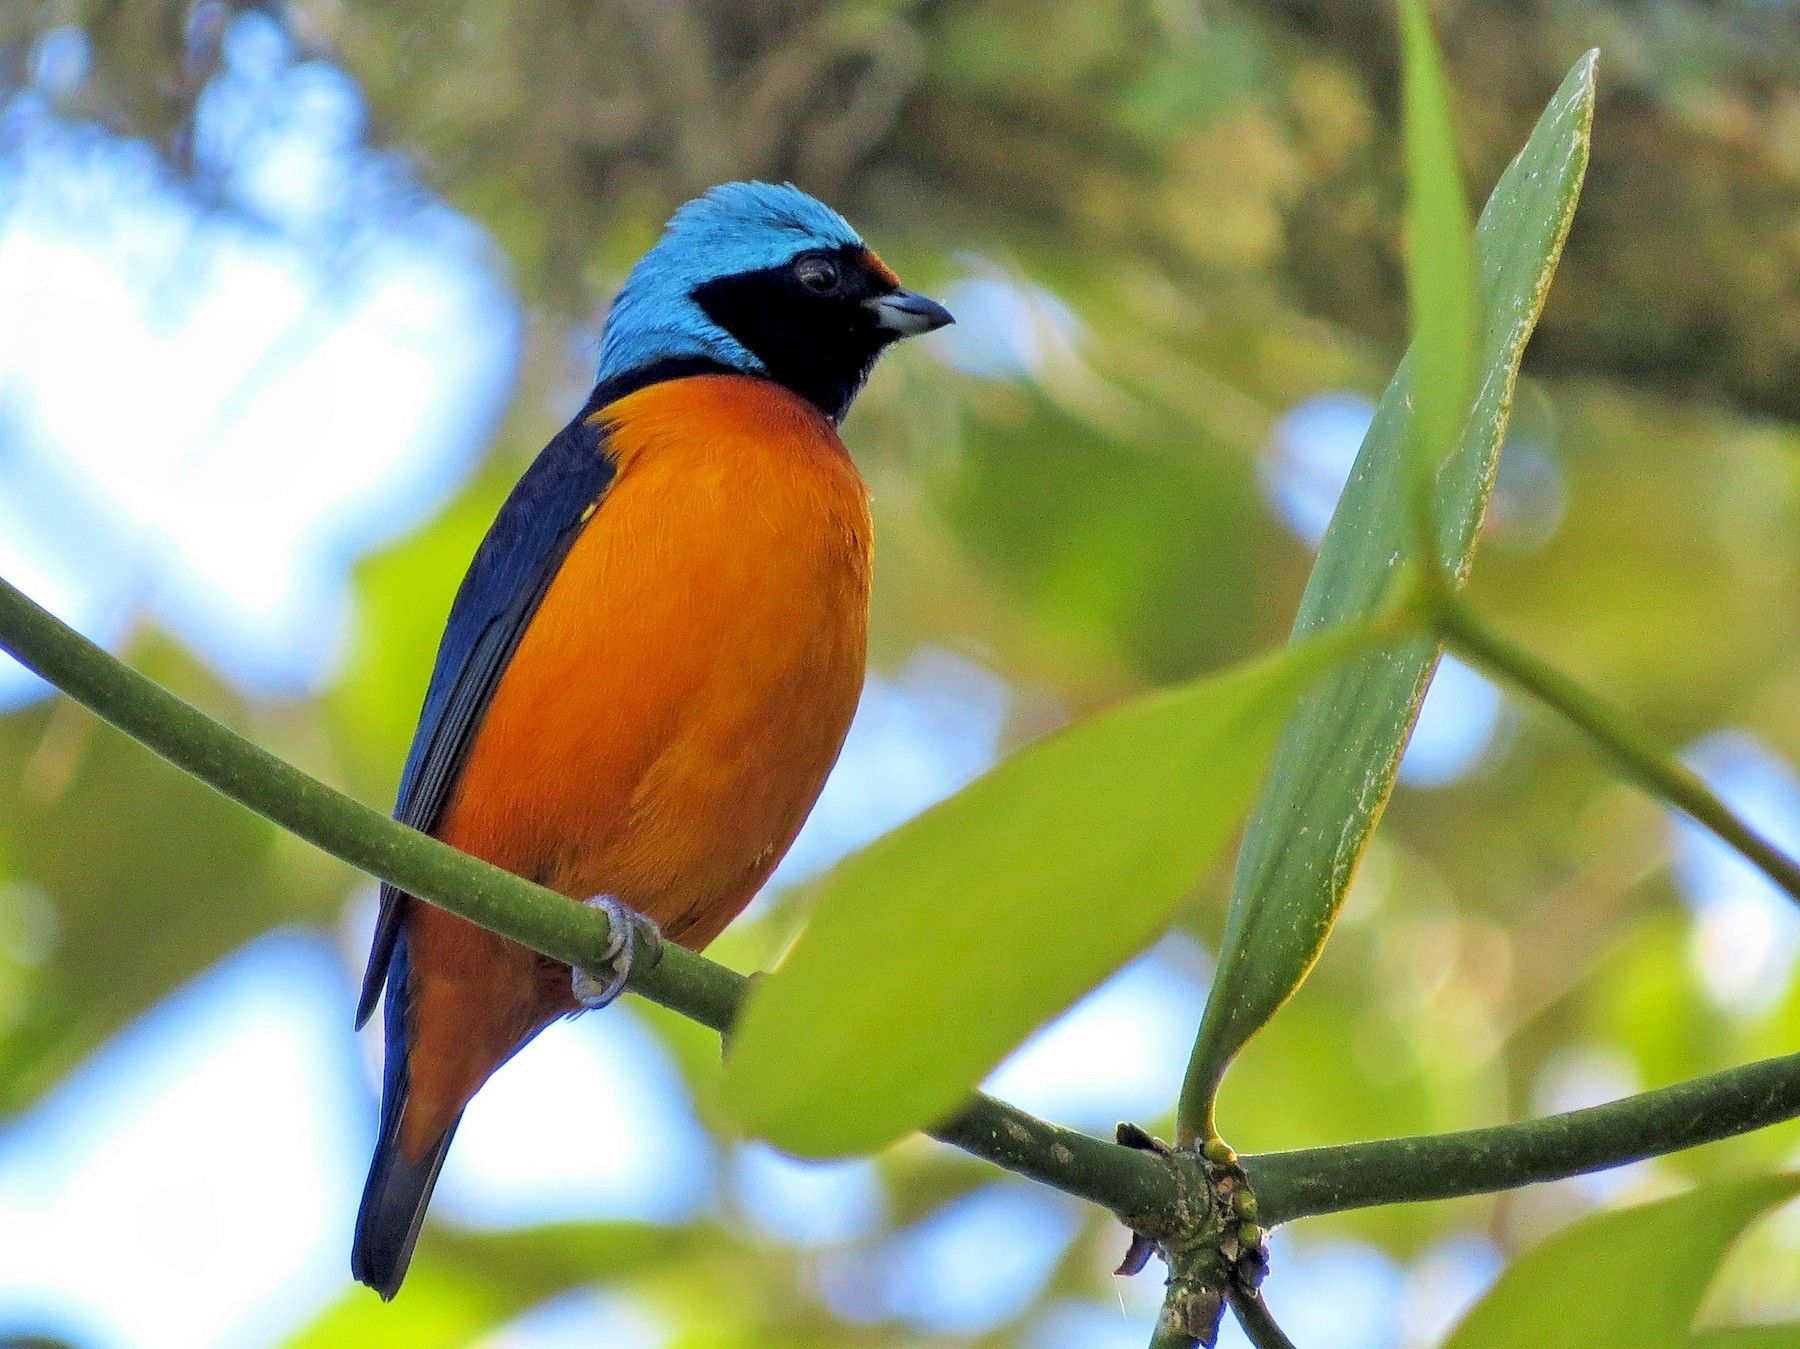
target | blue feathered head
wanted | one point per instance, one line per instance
(762, 279)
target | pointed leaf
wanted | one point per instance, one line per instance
(1631, 1278)
(1335, 764)
(940, 947)
(1440, 257)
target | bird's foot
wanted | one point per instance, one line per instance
(630, 930)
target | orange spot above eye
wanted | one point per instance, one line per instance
(880, 270)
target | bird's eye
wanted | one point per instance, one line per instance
(819, 275)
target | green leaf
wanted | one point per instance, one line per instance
(1440, 259)
(1631, 1278)
(1335, 765)
(937, 949)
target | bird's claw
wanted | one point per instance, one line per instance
(628, 929)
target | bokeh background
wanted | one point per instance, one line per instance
(290, 294)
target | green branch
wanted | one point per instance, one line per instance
(1128, 1182)
(1634, 754)
(1259, 1326)
(1143, 1189)
(1311, 1181)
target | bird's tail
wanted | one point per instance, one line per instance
(393, 1209)
(397, 1190)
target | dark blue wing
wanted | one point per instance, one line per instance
(512, 569)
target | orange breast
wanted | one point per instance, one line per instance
(668, 718)
(673, 710)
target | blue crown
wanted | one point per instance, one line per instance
(732, 229)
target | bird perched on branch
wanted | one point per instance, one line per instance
(653, 660)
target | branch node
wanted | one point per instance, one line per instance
(1208, 1239)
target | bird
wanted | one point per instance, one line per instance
(653, 660)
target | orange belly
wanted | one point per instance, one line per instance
(671, 713)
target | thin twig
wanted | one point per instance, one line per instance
(1259, 1326)
(1636, 755)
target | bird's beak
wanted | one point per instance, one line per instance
(906, 313)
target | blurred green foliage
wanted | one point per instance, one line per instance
(1214, 192)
